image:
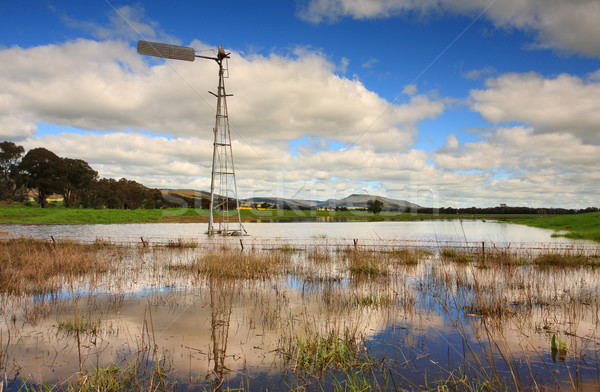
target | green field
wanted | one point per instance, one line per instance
(18, 214)
(580, 226)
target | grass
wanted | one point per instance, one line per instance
(134, 376)
(322, 330)
(366, 263)
(580, 226)
(85, 325)
(35, 266)
(18, 214)
(316, 354)
(565, 260)
(456, 256)
(233, 264)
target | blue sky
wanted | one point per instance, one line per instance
(466, 102)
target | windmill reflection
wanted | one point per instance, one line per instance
(221, 295)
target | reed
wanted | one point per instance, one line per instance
(367, 263)
(315, 354)
(231, 264)
(34, 266)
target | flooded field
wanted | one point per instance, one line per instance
(277, 315)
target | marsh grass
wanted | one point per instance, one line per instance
(407, 256)
(232, 264)
(367, 262)
(455, 256)
(565, 260)
(34, 266)
(315, 354)
(85, 325)
(181, 243)
(319, 255)
(130, 376)
(319, 328)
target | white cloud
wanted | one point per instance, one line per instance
(108, 87)
(475, 74)
(125, 22)
(562, 104)
(519, 148)
(559, 24)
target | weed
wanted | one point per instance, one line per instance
(565, 260)
(456, 257)
(181, 243)
(33, 266)
(366, 263)
(316, 354)
(85, 325)
(226, 263)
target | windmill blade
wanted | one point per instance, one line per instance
(166, 51)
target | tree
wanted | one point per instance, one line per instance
(44, 171)
(375, 206)
(10, 154)
(78, 179)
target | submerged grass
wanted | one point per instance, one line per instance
(482, 297)
(566, 260)
(34, 266)
(319, 353)
(227, 263)
(455, 256)
(84, 325)
(113, 378)
(367, 262)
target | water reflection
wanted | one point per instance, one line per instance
(416, 313)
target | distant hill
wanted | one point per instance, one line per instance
(293, 203)
(196, 198)
(360, 201)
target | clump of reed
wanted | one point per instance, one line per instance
(454, 256)
(181, 243)
(315, 354)
(131, 376)
(318, 255)
(85, 325)
(407, 256)
(34, 266)
(232, 264)
(565, 260)
(366, 263)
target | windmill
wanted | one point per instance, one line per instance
(223, 171)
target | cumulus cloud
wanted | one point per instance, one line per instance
(520, 165)
(520, 148)
(565, 103)
(558, 24)
(106, 86)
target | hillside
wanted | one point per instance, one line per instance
(194, 197)
(360, 201)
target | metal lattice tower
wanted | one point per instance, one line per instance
(223, 172)
(223, 169)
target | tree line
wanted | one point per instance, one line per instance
(43, 173)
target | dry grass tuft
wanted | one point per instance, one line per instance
(366, 262)
(232, 264)
(35, 266)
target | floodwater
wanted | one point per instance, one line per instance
(430, 322)
(419, 231)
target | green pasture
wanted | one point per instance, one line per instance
(580, 226)
(56, 214)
